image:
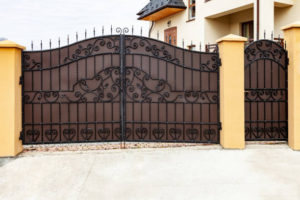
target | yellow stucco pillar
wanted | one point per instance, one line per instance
(232, 100)
(10, 98)
(292, 38)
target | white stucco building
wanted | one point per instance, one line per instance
(205, 21)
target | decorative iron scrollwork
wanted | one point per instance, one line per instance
(266, 95)
(94, 47)
(264, 49)
(140, 87)
(69, 134)
(209, 134)
(158, 133)
(192, 134)
(118, 133)
(175, 133)
(30, 64)
(266, 132)
(104, 133)
(34, 134)
(121, 31)
(51, 135)
(86, 133)
(141, 133)
(133, 43)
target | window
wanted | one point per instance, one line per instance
(192, 9)
(247, 30)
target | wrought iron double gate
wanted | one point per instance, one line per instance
(266, 91)
(120, 88)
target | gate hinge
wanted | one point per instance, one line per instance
(219, 62)
(21, 80)
(220, 126)
(21, 136)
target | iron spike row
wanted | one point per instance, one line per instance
(76, 36)
(31, 45)
(158, 35)
(141, 31)
(182, 43)
(85, 34)
(265, 34)
(272, 35)
(111, 30)
(200, 46)
(102, 30)
(68, 40)
(41, 45)
(50, 43)
(59, 42)
(132, 30)
(94, 32)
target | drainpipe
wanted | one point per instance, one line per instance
(150, 30)
(257, 18)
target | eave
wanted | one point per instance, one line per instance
(161, 13)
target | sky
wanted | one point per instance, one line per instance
(23, 21)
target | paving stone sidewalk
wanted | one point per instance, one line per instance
(261, 172)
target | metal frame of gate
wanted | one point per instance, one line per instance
(120, 88)
(266, 91)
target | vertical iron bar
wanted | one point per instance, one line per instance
(51, 117)
(42, 78)
(150, 109)
(59, 81)
(183, 82)
(122, 90)
(264, 102)
(200, 80)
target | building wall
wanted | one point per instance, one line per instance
(191, 31)
(218, 18)
(286, 15)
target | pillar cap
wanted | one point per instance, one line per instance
(292, 25)
(232, 38)
(11, 44)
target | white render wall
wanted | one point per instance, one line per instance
(218, 18)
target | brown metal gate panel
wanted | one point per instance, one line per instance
(266, 91)
(120, 88)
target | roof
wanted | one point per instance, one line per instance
(156, 5)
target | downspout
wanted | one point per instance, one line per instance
(257, 18)
(150, 30)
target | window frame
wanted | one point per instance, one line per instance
(248, 23)
(191, 6)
